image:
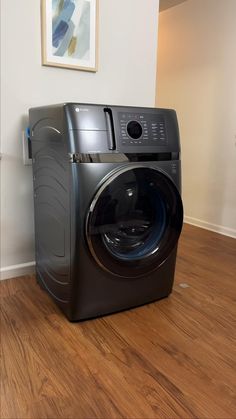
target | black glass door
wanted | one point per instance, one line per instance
(134, 221)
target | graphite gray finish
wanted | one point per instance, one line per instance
(77, 149)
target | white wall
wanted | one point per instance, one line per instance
(126, 75)
(196, 75)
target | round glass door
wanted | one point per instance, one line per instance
(134, 221)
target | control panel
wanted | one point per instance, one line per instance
(142, 129)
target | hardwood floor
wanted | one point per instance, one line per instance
(173, 358)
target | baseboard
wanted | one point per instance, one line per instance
(212, 227)
(17, 270)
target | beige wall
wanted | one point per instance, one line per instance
(127, 71)
(196, 75)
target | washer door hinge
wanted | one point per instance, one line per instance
(74, 157)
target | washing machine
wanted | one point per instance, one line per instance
(107, 203)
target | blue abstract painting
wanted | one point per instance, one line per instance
(70, 33)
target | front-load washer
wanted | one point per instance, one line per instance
(108, 209)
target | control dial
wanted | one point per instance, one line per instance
(134, 129)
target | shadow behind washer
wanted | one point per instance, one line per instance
(108, 211)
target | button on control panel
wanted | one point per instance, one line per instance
(142, 129)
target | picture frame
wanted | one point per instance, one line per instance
(70, 34)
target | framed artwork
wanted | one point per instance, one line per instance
(70, 34)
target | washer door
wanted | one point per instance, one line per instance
(134, 221)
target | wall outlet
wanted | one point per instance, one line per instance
(27, 151)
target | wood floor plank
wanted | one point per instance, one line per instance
(175, 358)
